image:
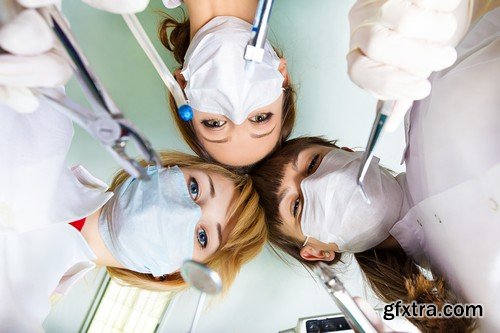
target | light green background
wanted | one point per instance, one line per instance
(268, 296)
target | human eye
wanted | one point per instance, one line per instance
(194, 189)
(295, 207)
(213, 123)
(202, 237)
(261, 117)
(313, 165)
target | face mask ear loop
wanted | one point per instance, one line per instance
(307, 239)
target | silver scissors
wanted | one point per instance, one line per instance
(107, 123)
(384, 110)
(254, 51)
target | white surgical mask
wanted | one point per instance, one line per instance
(214, 69)
(334, 209)
(149, 226)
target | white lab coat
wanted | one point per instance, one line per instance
(39, 252)
(453, 172)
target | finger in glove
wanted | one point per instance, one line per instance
(416, 56)
(46, 70)
(26, 34)
(384, 81)
(19, 99)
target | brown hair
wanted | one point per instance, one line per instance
(245, 241)
(177, 42)
(390, 273)
(267, 176)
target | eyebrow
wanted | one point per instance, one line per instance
(282, 195)
(219, 233)
(295, 160)
(254, 136)
(258, 136)
(212, 188)
(217, 141)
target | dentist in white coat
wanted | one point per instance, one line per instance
(36, 188)
(452, 131)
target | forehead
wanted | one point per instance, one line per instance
(243, 150)
(218, 209)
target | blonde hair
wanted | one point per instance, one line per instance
(245, 241)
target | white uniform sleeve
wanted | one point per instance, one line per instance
(33, 149)
(34, 265)
(36, 186)
(454, 134)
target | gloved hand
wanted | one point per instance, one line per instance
(396, 44)
(31, 61)
(118, 6)
(112, 6)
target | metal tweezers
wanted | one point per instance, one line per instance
(107, 123)
(384, 110)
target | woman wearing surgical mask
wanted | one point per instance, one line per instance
(142, 231)
(240, 115)
(443, 212)
(321, 214)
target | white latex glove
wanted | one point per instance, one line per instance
(112, 6)
(118, 6)
(31, 60)
(396, 44)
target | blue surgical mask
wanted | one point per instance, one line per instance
(148, 226)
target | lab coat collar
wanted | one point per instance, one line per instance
(407, 202)
(408, 229)
(83, 195)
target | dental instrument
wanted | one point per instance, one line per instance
(353, 314)
(254, 51)
(203, 279)
(384, 110)
(183, 109)
(107, 124)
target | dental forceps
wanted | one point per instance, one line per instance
(384, 110)
(107, 124)
(353, 314)
(183, 109)
(254, 51)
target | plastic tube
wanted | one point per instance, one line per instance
(184, 110)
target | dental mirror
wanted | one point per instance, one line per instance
(205, 280)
